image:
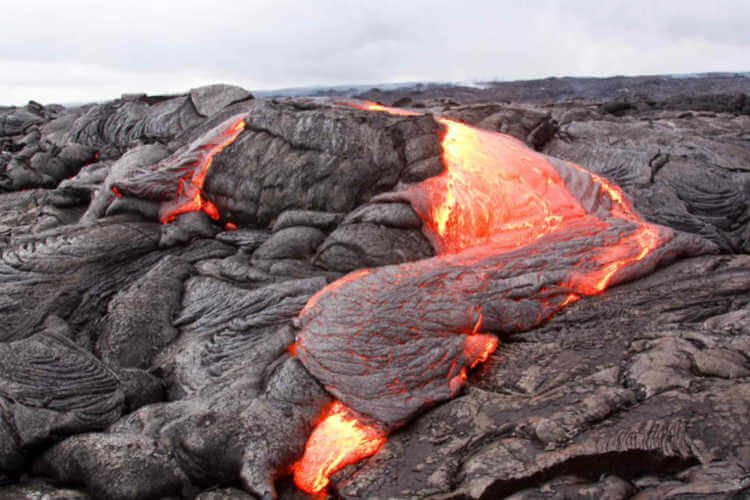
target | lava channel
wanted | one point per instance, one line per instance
(518, 236)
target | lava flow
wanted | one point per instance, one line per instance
(518, 235)
(190, 197)
(353, 440)
(498, 194)
(176, 183)
(494, 189)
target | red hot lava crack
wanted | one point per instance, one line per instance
(176, 183)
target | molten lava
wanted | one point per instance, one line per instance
(176, 183)
(339, 439)
(497, 193)
(519, 236)
(494, 190)
(190, 197)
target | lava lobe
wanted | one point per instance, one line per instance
(519, 236)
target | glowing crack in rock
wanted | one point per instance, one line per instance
(190, 195)
(176, 182)
(519, 236)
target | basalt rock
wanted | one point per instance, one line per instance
(42, 164)
(676, 172)
(321, 220)
(124, 123)
(16, 121)
(532, 125)
(193, 359)
(295, 242)
(51, 388)
(361, 245)
(131, 341)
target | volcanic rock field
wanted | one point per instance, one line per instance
(529, 290)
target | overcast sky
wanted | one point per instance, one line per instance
(80, 50)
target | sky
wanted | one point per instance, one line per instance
(83, 51)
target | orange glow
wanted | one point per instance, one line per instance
(458, 382)
(478, 348)
(493, 190)
(373, 106)
(230, 226)
(339, 439)
(570, 299)
(190, 196)
(497, 194)
(292, 350)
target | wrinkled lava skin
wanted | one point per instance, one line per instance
(519, 236)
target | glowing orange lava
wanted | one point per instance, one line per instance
(339, 439)
(494, 189)
(372, 106)
(190, 197)
(478, 348)
(498, 194)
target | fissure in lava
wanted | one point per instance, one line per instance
(392, 341)
(176, 183)
(190, 195)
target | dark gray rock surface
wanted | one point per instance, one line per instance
(139, 360)
(688, 172)
(360, 245)
(51, 388)
(295, 242)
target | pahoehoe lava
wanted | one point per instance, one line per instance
(209, 293)
(518, 235)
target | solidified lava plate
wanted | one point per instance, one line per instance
(518, 235)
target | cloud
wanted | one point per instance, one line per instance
(66, 51)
